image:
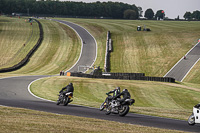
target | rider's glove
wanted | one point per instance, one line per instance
(107, 93)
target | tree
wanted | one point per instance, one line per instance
(187, 15)
(160, 14)
(55, 7)
(178, 18)
(140, 11)
(130, 14)
(196, 15)
(149, 14)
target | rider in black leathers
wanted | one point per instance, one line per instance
(115, 92)
(125, 94)
(68, 88)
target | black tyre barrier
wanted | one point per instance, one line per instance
(125, 76)
(108, 50)
(24, 61)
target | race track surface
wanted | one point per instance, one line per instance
(14, 92)
(89, 47)
(183, 67)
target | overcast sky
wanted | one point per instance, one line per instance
(172, 8)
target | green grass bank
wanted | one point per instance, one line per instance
(59, 50)
(152, 98)
(153, 53)
(18, 37)
(24, 120)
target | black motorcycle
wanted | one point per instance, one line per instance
(106, 102)
(115, 107)
(65, 98)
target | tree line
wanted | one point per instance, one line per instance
(160, 14)
(116, 10)
(192, 16)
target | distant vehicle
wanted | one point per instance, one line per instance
(195, 116)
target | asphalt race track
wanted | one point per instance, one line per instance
(89, 47)
(14, 92)
(183, 67)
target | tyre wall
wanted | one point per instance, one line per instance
(124, 76)
(28, 56)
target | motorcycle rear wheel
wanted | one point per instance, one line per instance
(191, 120)
(124, 111)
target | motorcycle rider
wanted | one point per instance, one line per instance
(66, 89)
(115, 92)
(125, 94)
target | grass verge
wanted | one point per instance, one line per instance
(152, 98)
(59, 50)
(18, 38)
(24, 120)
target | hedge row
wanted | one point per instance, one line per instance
(125, 76)
(26, 59)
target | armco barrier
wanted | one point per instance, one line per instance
(26, 59)
(125, 76)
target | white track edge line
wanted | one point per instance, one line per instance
(47, 99)
(180, 60)
(190, 70)
(34, 94)
(81, 42)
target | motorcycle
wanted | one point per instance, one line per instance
(116, 107)
(195, 116)
(65, 99)
(106, 102)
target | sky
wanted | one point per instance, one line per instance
(172, 8)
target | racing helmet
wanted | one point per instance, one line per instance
(125, 90)
(118, 89)
(70, 84)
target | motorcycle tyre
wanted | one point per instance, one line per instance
(66, 101)
(58, 102)
(124, 112)
(102, 106)
(191, 120)
(108, 110)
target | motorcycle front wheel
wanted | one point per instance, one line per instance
(124, 110)
(191, 120)
(102, 106)
(58, 102)
(108, 110)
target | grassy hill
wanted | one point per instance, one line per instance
(152, 98)
(59, 50)
(18, 37)
(24, 120)
(152, 53)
